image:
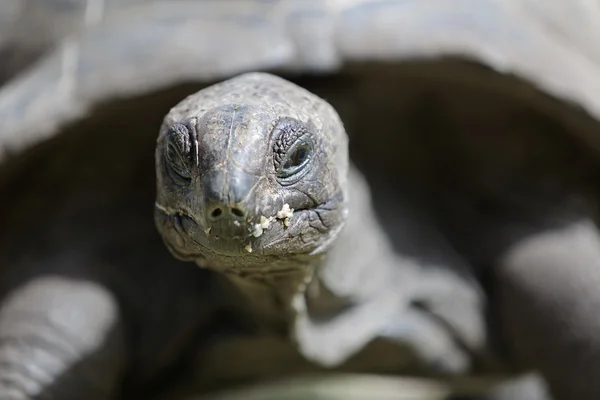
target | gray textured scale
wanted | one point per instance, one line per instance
(451, 234)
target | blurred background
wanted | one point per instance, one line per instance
(475, 123)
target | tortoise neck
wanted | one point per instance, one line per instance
(355, 294)
(274, 298)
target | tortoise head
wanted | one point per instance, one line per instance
(250, 172)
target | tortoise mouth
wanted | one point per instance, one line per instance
(190, 240)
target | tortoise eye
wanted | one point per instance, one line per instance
(292, 150)
(296, 159)
(178, 153)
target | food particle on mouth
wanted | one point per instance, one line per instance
(285, 214)
(263, 224)
(248, 248)
(257, 230)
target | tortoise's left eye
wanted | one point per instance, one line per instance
(296, 159)
(292, 151)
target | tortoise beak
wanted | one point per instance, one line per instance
(227, 194)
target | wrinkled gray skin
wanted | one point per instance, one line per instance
(242, 150)
(236, 145)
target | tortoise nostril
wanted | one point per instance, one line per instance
(216, 213)
(237, 212)
(223, 212)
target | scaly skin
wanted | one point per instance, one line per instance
(227, 158)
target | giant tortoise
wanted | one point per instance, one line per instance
(473, 254)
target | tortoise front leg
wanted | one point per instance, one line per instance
(549, 298)
(60, 338)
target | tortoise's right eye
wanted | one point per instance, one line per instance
(178, 148)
